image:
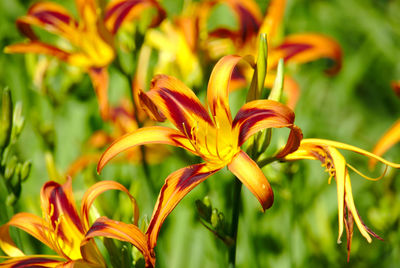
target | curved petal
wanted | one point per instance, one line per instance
(32, 261)
(176, 186)
(260, 114)
(293, 142)
(37, 47)
(301, 48)
(31, 224)
(142, 136)
(273, 18)
(176, 102)
(93, 192)
(99, 77)
(339, 163)
(339, 145)
(390, 138)
(248, 172)
(121, 231)
(218, 87)
(60, 213)
(121, 11)
(49, 16)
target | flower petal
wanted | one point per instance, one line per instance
(37, 47)
(142, 136)
(260, 114)
(176, 186)
(99, 77)
(58, 207)
(293, 142)
(301, 48)
(273, 18)
(31, 224)
(176, 102)
(248, 172)
(93, 192)
(218, 87)
(121, 11)
(49, 16)
(121, 231)
(32, 261)
(390, 138)
(81, 163)
(339, 145)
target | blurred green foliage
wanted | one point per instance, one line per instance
(356, 106)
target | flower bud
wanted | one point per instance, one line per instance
(6, 118)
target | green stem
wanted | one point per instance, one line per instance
(237, 187)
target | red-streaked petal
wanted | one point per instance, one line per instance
(248, 172)
(260, 114)
(37, 47)
(93, 192)
(121, 11)
(273, 18)
(31, 224)
(147, 135)
(32, 261)
(390, 138)
(49, 16)
(396, 87)
(218, 87)
(60, 213)
(293, 142)
(99, 77)
(301, 48)
(249, 18)
(176, 102)
(176, 186)
(124, 232)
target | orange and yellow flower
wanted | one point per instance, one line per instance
(243, 40)
(63, 230)
(327, 152)
(90, 40)
(216, 138)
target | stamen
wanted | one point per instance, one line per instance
(191, 142)
(216, 136)
(365, 176)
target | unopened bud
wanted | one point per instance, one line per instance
(6, 118)
(18, 121)
(25, 170)
(10, 167)
(214, 218)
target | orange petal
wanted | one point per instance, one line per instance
(99, 77)
(390, 138)
(176, 186)
(37, 47)
(293, 142)
(49, 16)
(273, 18)
(248, 172)
(31, 224)
(32, 261)
(124, 232)
(260, 114)
(178, 103)
(93, 192)
(60, 213)
(122, 11)
(301, 48)
(218, 87)
(142, 136)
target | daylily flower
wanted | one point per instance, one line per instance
(216, 138)
(336, 165)
(90, 40)
(294, 48)
(62, 229)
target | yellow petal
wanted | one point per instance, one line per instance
(390, 138)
